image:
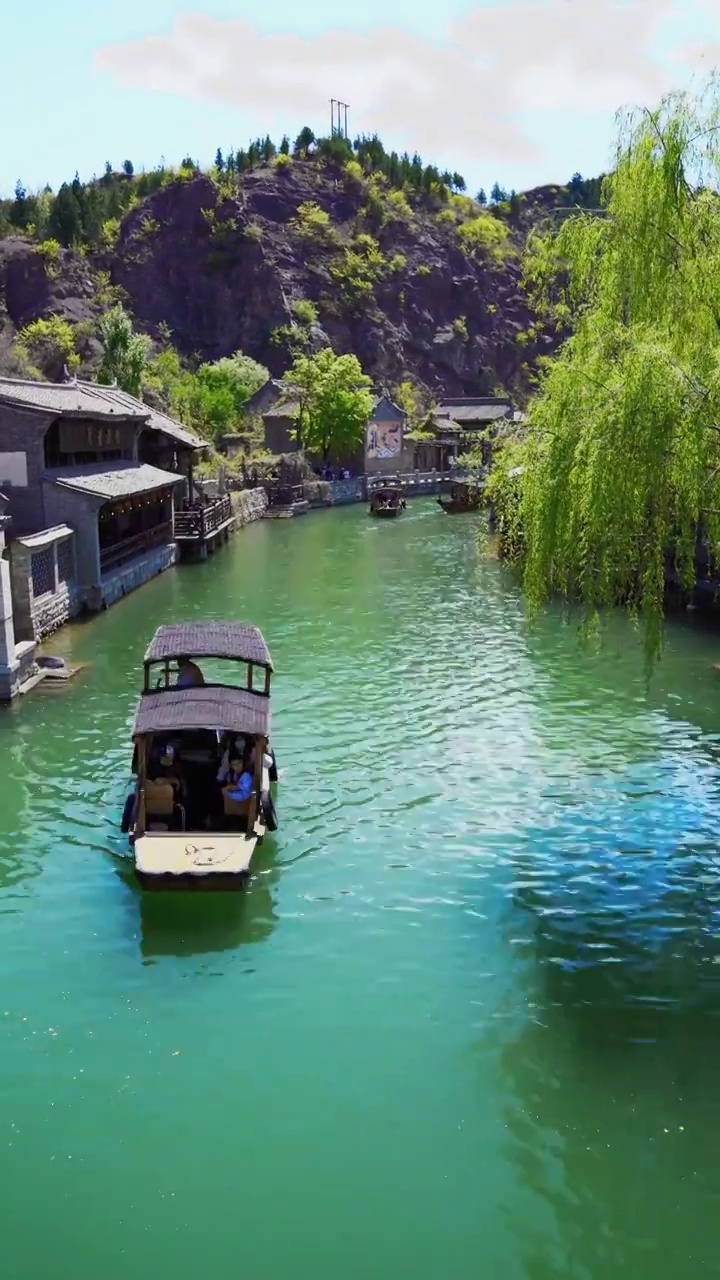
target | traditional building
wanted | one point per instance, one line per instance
(91, 477)
(472, 420)
(383, 449)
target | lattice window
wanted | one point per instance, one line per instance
(65, 561)
(43, 572)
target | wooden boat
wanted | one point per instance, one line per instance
(464, 496)
(386, 503)
(186, 829)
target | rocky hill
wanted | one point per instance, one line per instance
(422, 286)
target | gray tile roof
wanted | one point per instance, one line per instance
(109, 480)
(91, 400)
(88, 399)
(467, 409)
(160, 422)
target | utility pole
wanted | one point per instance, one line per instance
(337, 126)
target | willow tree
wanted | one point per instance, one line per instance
(622, 460)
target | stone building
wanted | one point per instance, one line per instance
(383, 449)
(91, 477)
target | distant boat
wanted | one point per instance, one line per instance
(386, 503)
(186, 828)
(464, 496)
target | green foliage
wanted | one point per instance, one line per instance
(623, 458)
(397, 263)
(125, 353)
(310, 222)
(211, 400)
(358, 267)
(460, 327)
(50, 251)
(333, 400)
(148, 228)
(423, 269)
(304, 141)
(305, 311)
(46, 345)
(485, 235)
(283, 162)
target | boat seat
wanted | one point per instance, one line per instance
(235, 808)
(160, 802)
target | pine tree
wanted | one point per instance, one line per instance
(128, 168)
(481, 196)
(219, 161)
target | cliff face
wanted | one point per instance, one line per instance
(232, 267)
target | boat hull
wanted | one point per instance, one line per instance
(195, 860)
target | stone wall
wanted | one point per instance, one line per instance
(248, 505)
(335, 493)
(48, 597)
(129, 576)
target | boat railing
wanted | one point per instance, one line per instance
(413, 479)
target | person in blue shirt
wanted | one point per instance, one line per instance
(240, 780)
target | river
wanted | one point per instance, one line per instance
(464, 1021)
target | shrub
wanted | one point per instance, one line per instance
(310, 222)
(305, 311)
(47, 345)
(109, 232)
(49, 250)
(398, 262)
(399, 205)
(485, 235)
(423, 269)
(252, 231)
(460, 327)
(283, 162)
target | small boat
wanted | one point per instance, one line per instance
(464, 495)
(186, 829)
(386, 503)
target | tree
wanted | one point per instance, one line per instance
(125, 353)
(128, 168)
(285, 146)
(219, 160)
(497, 194)
(481, 196)
(458, 182)
(304, 141)
(19, 210)
(622, 463)
(65, 222)
(333, 401)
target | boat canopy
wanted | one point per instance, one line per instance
(214, 707)
(236, 640)
(386, 491)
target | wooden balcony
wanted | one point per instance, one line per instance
(117, 554)
(201, 524)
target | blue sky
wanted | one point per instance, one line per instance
(522, 91)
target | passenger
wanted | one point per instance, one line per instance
(240, 780)
(189, 674)
(234, 747)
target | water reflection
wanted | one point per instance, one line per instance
(613, 1111)
(185, 924)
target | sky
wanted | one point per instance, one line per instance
(516, 91)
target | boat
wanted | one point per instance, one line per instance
(186, 830)
(386, 502)
(465, 495)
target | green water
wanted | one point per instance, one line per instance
(464, 1022)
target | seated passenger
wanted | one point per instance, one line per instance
(234, 747)
(240, 781)
(189, 674)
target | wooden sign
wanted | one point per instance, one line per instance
(92, 437)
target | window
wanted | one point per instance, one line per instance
(65, 561)
(43, 572)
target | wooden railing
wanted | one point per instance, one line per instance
(120, 552)
(198, 523)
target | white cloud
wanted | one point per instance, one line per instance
(466, 95)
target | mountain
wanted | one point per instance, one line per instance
(421, 282)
